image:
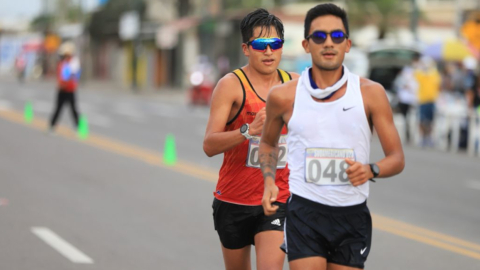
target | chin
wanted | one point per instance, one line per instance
(268, 70)
(329, 66)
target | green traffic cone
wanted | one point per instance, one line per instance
(83, 127)
(170, 154)
(28, 112)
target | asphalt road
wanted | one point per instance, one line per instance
(109, 202)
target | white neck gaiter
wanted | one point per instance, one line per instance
(327, 92)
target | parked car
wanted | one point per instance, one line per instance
(386, 61)
(357, 62)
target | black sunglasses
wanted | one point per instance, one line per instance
(320, 37)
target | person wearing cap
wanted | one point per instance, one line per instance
(68, 73)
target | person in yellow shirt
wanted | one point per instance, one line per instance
(429, 81)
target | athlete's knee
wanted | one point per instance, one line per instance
(238, 265)
(272, 260)
(271, 266)
(237, 259)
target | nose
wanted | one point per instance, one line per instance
(328, 42)
(268, 51)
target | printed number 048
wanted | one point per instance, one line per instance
(315, 171)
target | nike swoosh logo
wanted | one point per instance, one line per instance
(346, 109)
(362, 251)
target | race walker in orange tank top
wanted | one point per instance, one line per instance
(240, 179)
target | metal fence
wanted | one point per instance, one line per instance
(453, 130)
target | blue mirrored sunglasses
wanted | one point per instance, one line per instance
(320, 37)
(261, 44)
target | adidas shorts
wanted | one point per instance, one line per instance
(237, 225)
(342, 235)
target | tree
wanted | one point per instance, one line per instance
(42, 22)
(67, 12)
(104, 22)
(384, 13)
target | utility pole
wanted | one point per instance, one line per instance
(136, 44)
(414, 19)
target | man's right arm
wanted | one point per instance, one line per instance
(217, 140)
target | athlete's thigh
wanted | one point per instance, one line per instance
(333, 266)
(309, 263)
(267, 249)
(353, 247)
(234, 224)
(237, 259)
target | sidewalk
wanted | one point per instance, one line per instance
(165, 94)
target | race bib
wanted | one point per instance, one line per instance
(327, 166)
(253, 159)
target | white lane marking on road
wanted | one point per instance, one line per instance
(473, 184)
(60, 245)
(5, 105)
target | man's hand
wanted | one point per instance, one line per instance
(358, 173)
(257, 125)
(270, 196)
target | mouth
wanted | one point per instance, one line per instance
(268, 62)
(329, 55)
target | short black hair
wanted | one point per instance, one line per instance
(262, 18)
(322, 10)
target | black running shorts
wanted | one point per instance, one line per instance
(342, 235)
(237, 225)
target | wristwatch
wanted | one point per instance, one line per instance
(375, 169)
(244, 131)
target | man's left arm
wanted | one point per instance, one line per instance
(268, 150)
(381, 117)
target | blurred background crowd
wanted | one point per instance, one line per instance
(424, 52)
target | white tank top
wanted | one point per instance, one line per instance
(321, 135)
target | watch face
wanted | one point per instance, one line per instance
(375, 169)
(243, 129)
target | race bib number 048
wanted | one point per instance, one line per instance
(253, 159)
(327, 166)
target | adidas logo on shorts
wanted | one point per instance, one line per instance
(276, 222)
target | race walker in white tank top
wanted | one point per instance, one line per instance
(320, 136)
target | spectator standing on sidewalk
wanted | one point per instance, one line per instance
(429, 82)
(474, 95)
(407, 87)
(20, 66)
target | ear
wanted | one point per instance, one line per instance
(306, 46)
(349, 45)
(245, 49)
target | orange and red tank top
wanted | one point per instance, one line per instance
(240, 178)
